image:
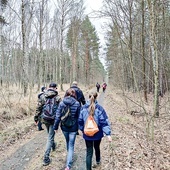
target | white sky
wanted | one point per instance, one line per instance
(92, 5)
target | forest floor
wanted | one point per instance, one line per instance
(140, 141)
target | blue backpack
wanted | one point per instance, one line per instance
(66, 118)
(49, 111)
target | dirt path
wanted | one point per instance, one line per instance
(20, 158)
(28, 153)
(130, 149)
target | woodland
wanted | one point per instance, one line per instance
(43, 41)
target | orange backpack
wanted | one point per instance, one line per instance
(91, 127)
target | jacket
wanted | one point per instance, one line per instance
(50, 93)
(75, 110)
(100, 118)
(79, 94)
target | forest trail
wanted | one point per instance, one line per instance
(131, 149)
(28, 154)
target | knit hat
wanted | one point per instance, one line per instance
(74, 83)
(54, 85)
(43, 88)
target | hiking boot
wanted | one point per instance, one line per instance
(45, 163)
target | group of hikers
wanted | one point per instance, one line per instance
(79, 110)
(104, 85)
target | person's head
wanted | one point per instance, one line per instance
(92, 96)
(71, 92)
(43, 88)
(74, 83)
(53, 85)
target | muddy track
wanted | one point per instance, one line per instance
(30, 152)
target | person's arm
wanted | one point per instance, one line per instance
(57, 117)
(104, 123)
(39, 109)
(81, 121)
(83, 101)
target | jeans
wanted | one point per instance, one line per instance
(50, 142)
(39, 125)
(70, 140)
(89, 152)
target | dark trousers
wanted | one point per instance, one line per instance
(39, 125)
(89, 152)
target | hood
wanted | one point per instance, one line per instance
(50, 93)
(69, 100)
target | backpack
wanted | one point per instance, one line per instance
(49, 111)
(104, 86)
(98, 85)
(91, 127)
(66, 118)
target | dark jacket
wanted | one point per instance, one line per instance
(50, 93)
(100, 117)
(75, 110)
(79, 94)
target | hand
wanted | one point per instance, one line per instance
(109, 138)
(55, 131)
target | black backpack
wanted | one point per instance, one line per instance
(49, 111)
(66, 118)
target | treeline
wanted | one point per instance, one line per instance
(42, 41)
(138, 53)
(45, 40)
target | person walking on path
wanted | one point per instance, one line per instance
(97, 111)
(41, 99)
(104, 86)
(51, 93)
(98, 87)
(79, 93)
(69, 132)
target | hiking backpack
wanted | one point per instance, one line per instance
(66, 118)
(49, 110)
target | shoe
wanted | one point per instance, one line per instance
(96, 165)
(46, 163)
(40, 129)
(67, 168)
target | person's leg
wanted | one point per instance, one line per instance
(50, 142)
(70, 140)
(97, 150)
(40, 125)
(89, 154)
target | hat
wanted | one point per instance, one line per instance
(54, 85)
(74, 83)
(43, 88)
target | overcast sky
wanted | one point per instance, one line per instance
(92, 5)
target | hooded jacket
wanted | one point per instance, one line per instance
(79, 94)
(50, 93)
(100, 118)
(75, 110)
